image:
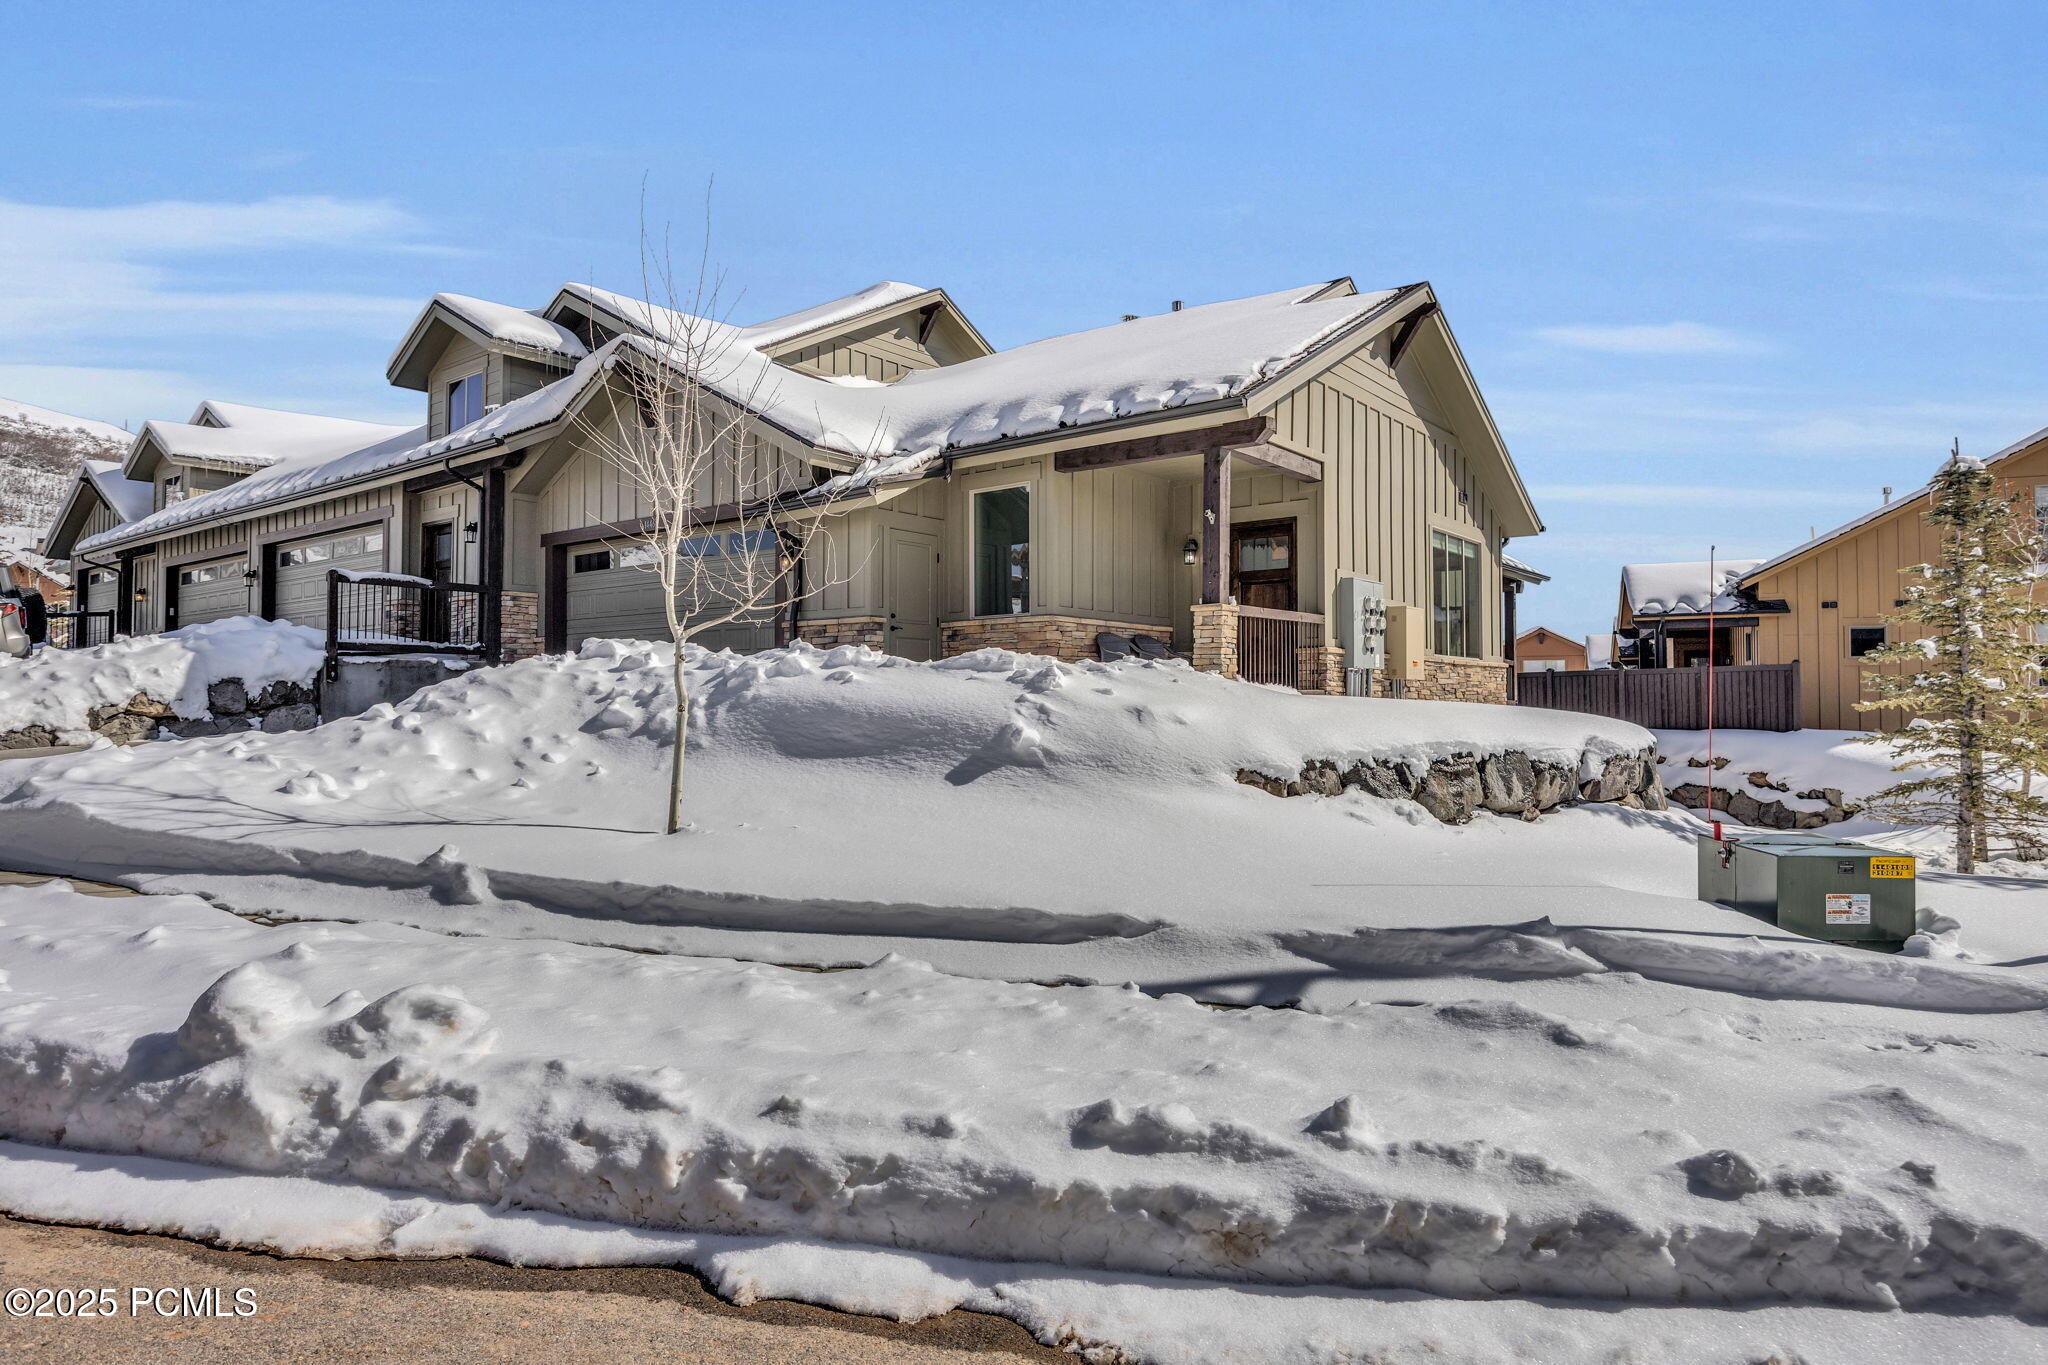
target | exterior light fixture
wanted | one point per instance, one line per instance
(142, 594)
(1190, 551)
(469, 533)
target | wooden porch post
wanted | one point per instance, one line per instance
(1215, 525)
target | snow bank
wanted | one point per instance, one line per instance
(1798, 761)
(1139, 1320)
(1468, 1148)
(57, 689)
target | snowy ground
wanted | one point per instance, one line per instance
(995, 815)
(1540, 1103)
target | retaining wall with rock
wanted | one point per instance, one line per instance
(1457, 788)
(1741, 803)
(280, 706)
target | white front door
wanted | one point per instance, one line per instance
(910, 581)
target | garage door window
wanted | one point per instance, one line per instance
(209, 573)
(367, 542)
(593, 561)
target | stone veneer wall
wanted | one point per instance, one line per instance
(1215, 629)
(519, 625)
(1452, 680)
(1071, 638)
(872, 631)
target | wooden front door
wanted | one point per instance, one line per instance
(1262, 564)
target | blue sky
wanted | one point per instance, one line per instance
(1722, 271)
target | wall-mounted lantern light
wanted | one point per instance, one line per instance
(469, 533)
(1191, 551)
(251, 574)
(142, 594)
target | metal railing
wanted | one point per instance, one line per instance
(79, 629)
(378, 613)
(1284, 648)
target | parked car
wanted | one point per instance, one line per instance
(22, 622)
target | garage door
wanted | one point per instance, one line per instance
(302, 571)
(207, 592)
(614, 594)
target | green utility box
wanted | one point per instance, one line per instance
(1810, 884)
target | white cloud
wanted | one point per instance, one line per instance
(1718, 420)
(1662, 338)
(1689, 495)
(96, 272)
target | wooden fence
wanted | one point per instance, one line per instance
(1746, 697)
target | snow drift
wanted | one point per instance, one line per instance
(58, 690)
(1476, 1147)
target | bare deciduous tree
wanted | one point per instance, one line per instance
(730, 518)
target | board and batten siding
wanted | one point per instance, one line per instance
(1861, 573)
(249, 536)
(590, 490)
(1392, 474)
(847, 571)
(883, 351)
(462, 359)
(1105, 543)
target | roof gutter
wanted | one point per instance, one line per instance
(321, 493)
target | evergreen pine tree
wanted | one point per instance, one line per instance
(1973, 681)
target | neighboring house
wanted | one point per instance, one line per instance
(26, 572)
(1543, 650)
(1663, 619)
(1831, 594)
(1201, 475)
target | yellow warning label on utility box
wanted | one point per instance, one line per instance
(1891, 867)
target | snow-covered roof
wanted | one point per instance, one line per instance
(804, 321)
(1518, 569)
(1688, 589)
(514, 325)
(1765, 565)
(12, 410)
(284, 477)
(130, 498)
(1148, 365)
(251, 437)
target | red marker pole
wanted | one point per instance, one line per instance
(1713, 596)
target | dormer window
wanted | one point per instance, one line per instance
(174, 488)
(465, 401)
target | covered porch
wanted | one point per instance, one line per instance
(1209, 539)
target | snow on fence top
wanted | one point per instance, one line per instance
(1684, 589)
(1153, 364)
(58, 688)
